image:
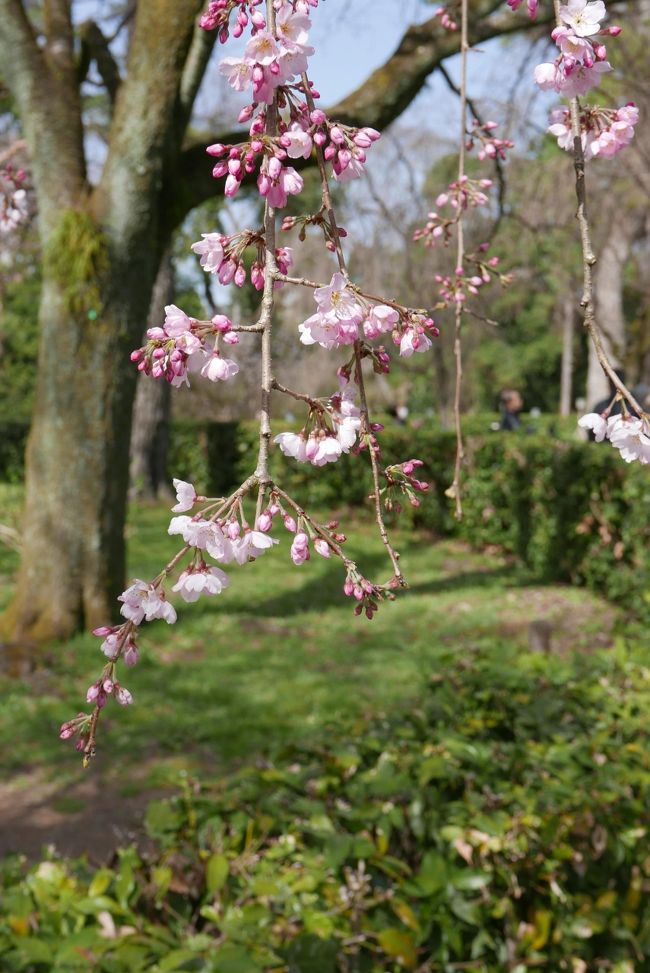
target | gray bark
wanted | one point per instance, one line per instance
(566, 375)
(151, 411)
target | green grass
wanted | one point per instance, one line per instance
(279, 656)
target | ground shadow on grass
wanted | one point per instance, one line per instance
(321, 590)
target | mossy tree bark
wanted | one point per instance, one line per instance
(102, 246)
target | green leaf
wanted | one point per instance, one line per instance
(216, 873)
(400, 946)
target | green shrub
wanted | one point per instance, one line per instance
(500, 826)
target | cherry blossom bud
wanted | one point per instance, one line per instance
(131, 655)
(123, 696)
(233, 530)
(290, 523)
(264, 522)
(322, 547)
(240, 275)
(67, 730)
(300, 548)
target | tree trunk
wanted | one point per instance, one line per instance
(77, 455)
(566, 375)
(150, 433)
(610, 317)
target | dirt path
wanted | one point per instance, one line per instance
(91, 817)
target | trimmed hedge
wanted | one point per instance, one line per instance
(501, 825)
(571, 511)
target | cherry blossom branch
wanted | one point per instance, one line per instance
(498, 162)
(455, 489)
(588, 256)
(314, 285)
(363, 402)
(299, 396)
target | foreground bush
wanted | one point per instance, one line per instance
(500, 826)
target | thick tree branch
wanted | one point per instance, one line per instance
(47, 102)
(23, 69)
(141, 140)
(198, 56)
(59, 38)
(95, 47)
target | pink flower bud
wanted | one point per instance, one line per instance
(264, 522)
(322, 547)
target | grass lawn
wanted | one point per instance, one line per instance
(278, 657)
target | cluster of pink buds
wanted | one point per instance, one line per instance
(446, 19)
(582, 58)
(300, 547)
(414, 333)
(365, 593)
(271, 60)
(459, 195)
(454, 288)
(99, 692)
(275, 180)
(465, 192)
(490, 146)
(223, 255)
(79, 726)
(184, 345)
(580, 64)
(217, 17)
(331, 430)
(14, 208)
(401, 478)
(343, 145)
(604, 131)
(325, 540)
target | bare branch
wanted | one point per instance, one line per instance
(95, 47)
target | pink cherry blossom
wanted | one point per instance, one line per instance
(210, 249)
(185, 496)
(238, 71)
(251, 544)
(297, 142)
(218, 369)
(142, 601)
(292, 444)
(583, 16)
(413, 340)
(596, 423)
(202, 580)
